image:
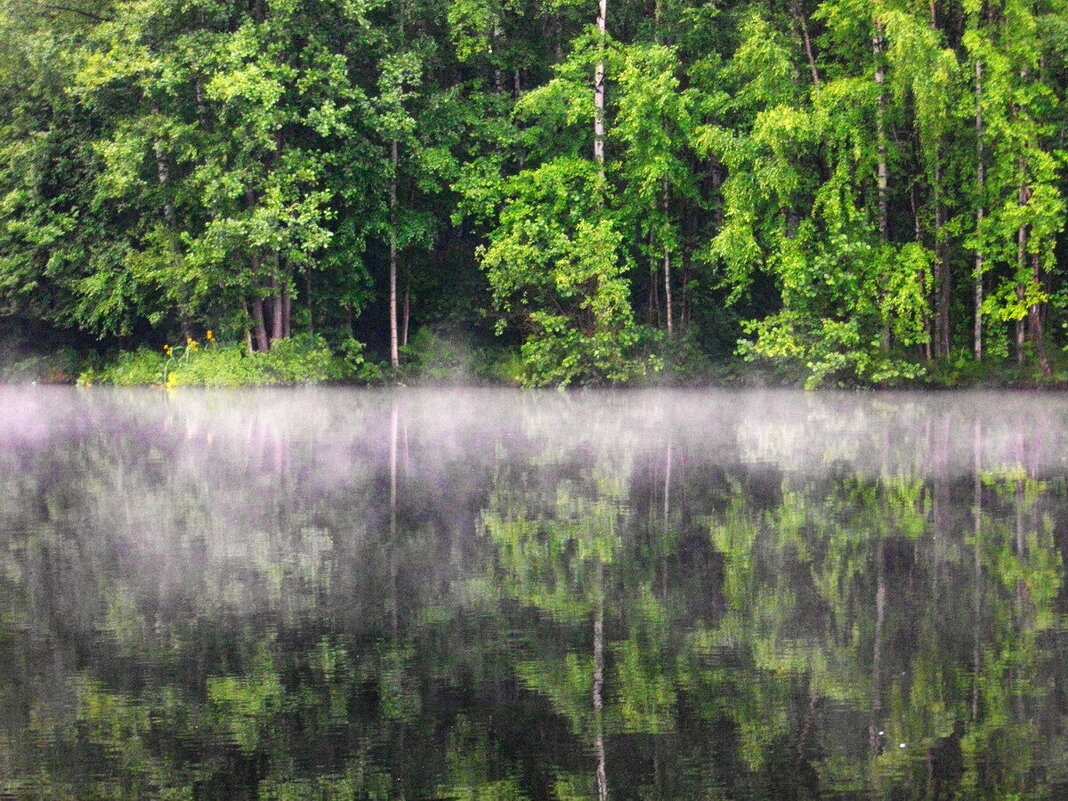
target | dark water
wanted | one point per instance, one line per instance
(493, 595)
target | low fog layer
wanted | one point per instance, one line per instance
(337, 430)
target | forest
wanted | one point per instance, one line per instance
(543, 192)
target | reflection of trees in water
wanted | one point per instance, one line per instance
(551, 610)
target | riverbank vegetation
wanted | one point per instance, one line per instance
(787, 191)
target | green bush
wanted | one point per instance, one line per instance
(222, 366)
(141, 366)
(300, 360)
(437, 357)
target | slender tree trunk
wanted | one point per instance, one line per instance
(308, 292)
(1034, 321)
(654, 284)
(394, 353)
(880, 133)
(407, 310)
(877, 43)
(980, 168)
(498, 73)
(163, 174)
(669, 312)
(667, 292)
(1021, 293)
(717, 197)
(598, 689)
(799, 17)
(943, 276)
(684, 301)
(918, 230)
(287, 313)
(277, 321)
(598, 89)
(248, 330)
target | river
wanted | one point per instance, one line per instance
(493, 594)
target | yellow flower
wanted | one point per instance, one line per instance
(167, 349)
(188, 340)
(208, 335)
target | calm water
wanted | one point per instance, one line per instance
(492, 595)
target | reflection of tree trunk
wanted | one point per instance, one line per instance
(977, 598)
(874, 736)
(667, 485)
(666, 519)
(598, 687)
(1021, 590)
(393, 430)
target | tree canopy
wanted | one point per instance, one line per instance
(833, 191)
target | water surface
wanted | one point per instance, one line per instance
(342, 594)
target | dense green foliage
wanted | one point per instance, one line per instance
(841, 192)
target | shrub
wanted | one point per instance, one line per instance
(141, 366)
(300, 360)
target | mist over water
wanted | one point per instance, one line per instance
(336, 593)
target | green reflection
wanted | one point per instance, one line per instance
(613, 612)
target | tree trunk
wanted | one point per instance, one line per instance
(394, 353)
(1034, 321)
(799, 17)
(943, 276)
(980, 168)
(877, 43)
(287, 313)
(263, 344)
(163, 174)
(407, 311)
(918, 231)
(667, 292)
(277, 312)
(598, 89)
(1021, 293)
(669, 311)
(249, 347)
